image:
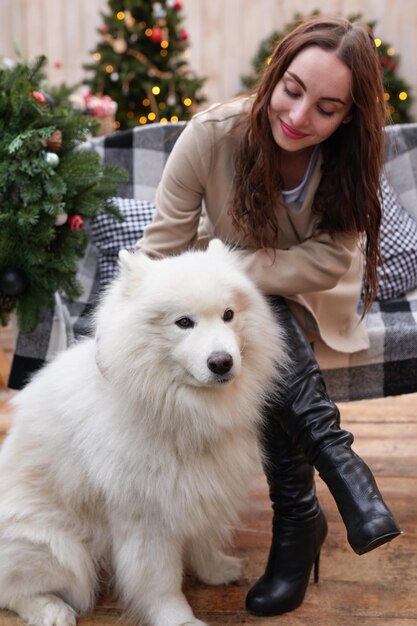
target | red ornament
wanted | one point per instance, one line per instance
(39, 97)
(178, 5)
(157, 34)
(75, 222)
(54, 142)
(58, 65)
(184, 35)
(104, 28)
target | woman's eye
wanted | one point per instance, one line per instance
(185, 322)
(228, 315)
(326, 113)
(291, 94)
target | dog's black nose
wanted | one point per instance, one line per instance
(220, 362)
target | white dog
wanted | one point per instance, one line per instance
(132, 452)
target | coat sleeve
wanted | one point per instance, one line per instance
(180, 193)
(316, 264)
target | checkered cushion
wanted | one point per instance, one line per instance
(143, 152)
(401, 164)
(111, 235)
(388, 367)
(398, 247)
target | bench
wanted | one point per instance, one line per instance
(388, 367)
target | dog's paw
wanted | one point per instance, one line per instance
(46, 610)
(226, 569)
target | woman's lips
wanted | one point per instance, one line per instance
(291, 132)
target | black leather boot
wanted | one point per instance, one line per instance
(298, 530)
(312, 420)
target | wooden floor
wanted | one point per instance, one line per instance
(378, 589)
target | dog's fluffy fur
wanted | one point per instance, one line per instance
(132, 451)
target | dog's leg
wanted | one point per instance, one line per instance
(44, 610)
(148, 564)
(40, 588)
(210, 564)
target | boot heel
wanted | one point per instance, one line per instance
(317, 568)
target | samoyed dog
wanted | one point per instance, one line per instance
(131, 452)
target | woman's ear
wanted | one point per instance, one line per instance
(347, 119)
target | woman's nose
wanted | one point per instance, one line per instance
(299, 115)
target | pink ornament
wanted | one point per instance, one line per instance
(104, 28)
(184, 35)
(75, 222)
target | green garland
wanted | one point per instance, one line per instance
(48, 188)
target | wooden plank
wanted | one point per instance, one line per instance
(340, 599)
(380, 410)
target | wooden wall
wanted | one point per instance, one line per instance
(224, 34)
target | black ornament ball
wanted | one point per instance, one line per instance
(48, 99)
(13, 282)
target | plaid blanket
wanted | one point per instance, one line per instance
(389, 367)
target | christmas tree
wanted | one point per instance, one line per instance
(397, 92)
(140, 63)
(48, 188)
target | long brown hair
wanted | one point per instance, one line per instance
(347, 198)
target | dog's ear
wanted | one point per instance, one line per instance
(133, 266)
(132, 262)
(217, 245)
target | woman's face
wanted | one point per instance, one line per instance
(311, 100)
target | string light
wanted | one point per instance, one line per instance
(130, 21)
(386, 96)
(378, 42)
(390, 52)
(403, 95)
(156, 104)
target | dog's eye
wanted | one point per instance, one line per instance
(185, 322)
(228, 315)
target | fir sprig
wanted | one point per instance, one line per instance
(40, 182)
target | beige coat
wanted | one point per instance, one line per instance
(310, 269)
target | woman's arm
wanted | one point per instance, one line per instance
(317, 264)
(180, 193)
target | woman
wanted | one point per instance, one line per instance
(291, 176)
